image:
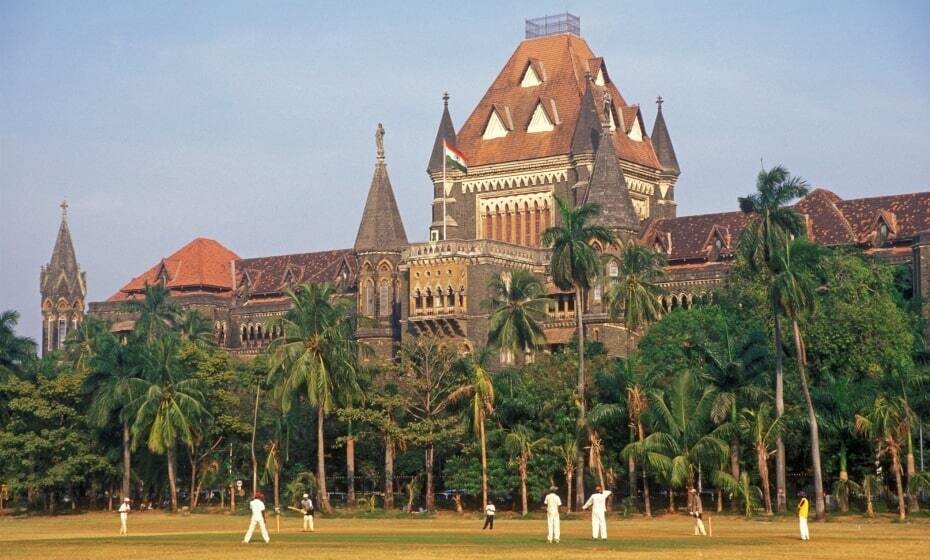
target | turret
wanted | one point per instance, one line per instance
(63, 287)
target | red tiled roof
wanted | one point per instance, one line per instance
(566, 60)
(830, 221)
(272, 275)
(201, 264)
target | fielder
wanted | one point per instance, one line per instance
(553, 501)
(696, 510)
(598, 504)
(124, 510)
(257, 506)
(307, 505)
(803, 508)
(489, 513)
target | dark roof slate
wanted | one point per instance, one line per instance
(607, 187)
(662, 143)
(381, 228)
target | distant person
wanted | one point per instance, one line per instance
(306, 504)
(553, 501)
(803, 509)
(598, 504)
(696, 510)
(489, 512)
(257, 507)
(124, 510)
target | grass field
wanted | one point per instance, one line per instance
(218, 536)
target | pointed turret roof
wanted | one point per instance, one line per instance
(63, 258)
(607, 187)
(62, 276)
(662, 143)
(446, 132)
(588, 127)
(381, 228)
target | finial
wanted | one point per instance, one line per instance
(379, 141)
(607, 103)
(64, 210)
(659, 102)
(445, 99)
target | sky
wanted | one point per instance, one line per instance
(252, 123)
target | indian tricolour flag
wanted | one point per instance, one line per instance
(454, 158)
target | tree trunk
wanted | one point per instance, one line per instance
(579, 481)
(172, 480)
(719, 500)
(631, 470)
(110, 499)
(258, 391)
(734, 465)
(781, 503)
(232, 497)
(484, 463)
(913, 504)
(582, 400)
(321, 461)
(867, 490)
(277, 481)
(812, 420)
(410, 490)
(124, 490)
(350, 470)
(671, 500)
(193, 487)
(896, 466)
(843, 495)
(568, 489)
(430, 498)
(523, 486)
(764, 477)
(388, 473)
(647, 501)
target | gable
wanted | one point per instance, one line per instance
(540, 121)
(636, 130)
(530, 77)
(495, 127)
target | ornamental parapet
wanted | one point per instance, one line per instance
(476, 249)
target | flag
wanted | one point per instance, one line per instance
(454, 158)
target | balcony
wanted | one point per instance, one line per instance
(536, 257)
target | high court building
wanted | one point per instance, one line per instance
(553, 123)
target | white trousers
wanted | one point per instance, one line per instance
(122, 523)
(805, 533)
(699, 527)
(308, 523)
(598, 525)
(261, 523)
(552, 519)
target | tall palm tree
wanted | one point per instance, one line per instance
(520, 443)
(316, 358)
(636, 294)
(112, 379)
(81, 343)
(888, 422)
(574, 265)
(758, 426)
(841, 397)
(517, 307)
(479, 390)
(567, 453)
(168, 405)
(195, 328)
(792, 290)
(15, 351)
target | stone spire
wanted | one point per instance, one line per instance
(662, 143)
(588, 125)
(446, 132)
(607, 188)
(63, 287)
(381, 228)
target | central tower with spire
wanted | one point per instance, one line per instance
(63, 286)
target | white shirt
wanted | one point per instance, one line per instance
(490, 510)
(257, 506)
(553, 501)
(598, 501)
(124, 507)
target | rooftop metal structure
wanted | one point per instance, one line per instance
(553, 25)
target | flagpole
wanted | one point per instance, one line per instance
(444, 191)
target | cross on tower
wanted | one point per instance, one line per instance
(64, 209)
(445, 98)
(659, 101)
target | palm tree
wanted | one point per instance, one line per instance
(574, 265)
(517, 307)
(772, 225)
(168, 403)
(15, 351)
(840, 398)
(195, 328)
(81, 343)
(636, 294)
(520, 444)
(156, 312)
(316, 358)
(887, 423)
(792, 290)
(112, 380)
(479, 391)
(757, 425)
(567, 453)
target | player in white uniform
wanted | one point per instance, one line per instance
(124, 510)
(553, 501)
(257, 506)
(598, 504)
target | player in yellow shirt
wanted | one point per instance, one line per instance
(803, 507)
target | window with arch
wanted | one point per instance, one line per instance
(369, 299)
(596, 292)
(62, 331)
(384, 299)
(613, 269)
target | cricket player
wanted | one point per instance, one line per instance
(124, 510)
(307, 505)
(489, 512)
(696, 510)
(257, 506)
(598, 504)
(803, 508)
(553, 501)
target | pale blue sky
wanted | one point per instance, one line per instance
(252, 123)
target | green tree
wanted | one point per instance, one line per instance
(574, 265)
(521, 443)
(517, 307)
(156, 313)
(15, 351)
(316, 358)
(887, 423)
(757, 425)
(773, 223)
(636, 294)
(479, 391)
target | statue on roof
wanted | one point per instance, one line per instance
(607, 102)
(379, 141)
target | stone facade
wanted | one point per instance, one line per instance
(63, 286)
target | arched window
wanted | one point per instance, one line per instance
(596, 292)
(488, 224)
(369, 299)
(450, 297)
(62, 331)
(244, 336)
(429, 298)
(417, 299)
(384, 299)
(613, 269)
(537, 218)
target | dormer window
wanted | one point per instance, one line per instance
(530, 77)
(540, 122)
(495, 127)
(636, 131)
(599, 78)
(882, 234)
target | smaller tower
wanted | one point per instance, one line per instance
(662, 142)
(607, 186)
(445, 133)
(63, 287)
